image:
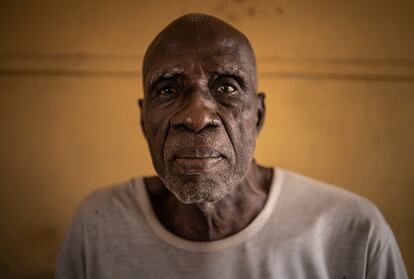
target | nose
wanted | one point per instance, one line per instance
(197, 115)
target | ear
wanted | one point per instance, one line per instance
(141, 110)
(261, 111)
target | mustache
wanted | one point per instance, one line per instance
(208, 143)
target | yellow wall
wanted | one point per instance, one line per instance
(339, 79)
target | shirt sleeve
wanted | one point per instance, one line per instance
(71, 258)
(388, 263)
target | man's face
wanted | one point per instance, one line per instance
(200, 115)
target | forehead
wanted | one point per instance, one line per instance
(208, 56)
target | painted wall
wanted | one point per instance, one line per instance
(339, 77)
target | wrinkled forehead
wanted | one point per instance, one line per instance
(209, 55)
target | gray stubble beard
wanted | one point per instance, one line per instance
(200, 189)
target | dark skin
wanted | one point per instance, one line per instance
(201, 116)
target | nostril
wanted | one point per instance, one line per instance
(197, 114)
(196, 121)
(205, 128)
(179, 126)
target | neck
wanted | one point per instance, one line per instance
(212, 220)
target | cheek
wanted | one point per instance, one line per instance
(157, 117)
(246, 119)
(156, 126)
(242, 130)
(153, 124)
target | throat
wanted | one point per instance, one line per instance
(208, 221)
(212, 220)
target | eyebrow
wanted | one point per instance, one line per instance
(165, 74)
(236, 73)
(158, 76)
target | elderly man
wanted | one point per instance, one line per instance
(211, 211)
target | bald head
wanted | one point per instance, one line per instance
(199, 33)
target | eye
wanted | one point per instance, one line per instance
(225, 89)
(167, 91)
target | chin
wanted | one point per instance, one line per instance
(203, 187)
(196, 192)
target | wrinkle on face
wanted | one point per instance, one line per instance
(196, 61)
(176, 37)
(167, 73)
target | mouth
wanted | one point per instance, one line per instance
(197, 162)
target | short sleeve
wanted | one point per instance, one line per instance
(388, 263)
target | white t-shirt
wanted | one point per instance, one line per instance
(307, 229)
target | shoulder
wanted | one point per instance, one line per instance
(335, 213)
(329, 202)
(346, 224)
(110, 200)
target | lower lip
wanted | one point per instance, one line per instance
(198, 165)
